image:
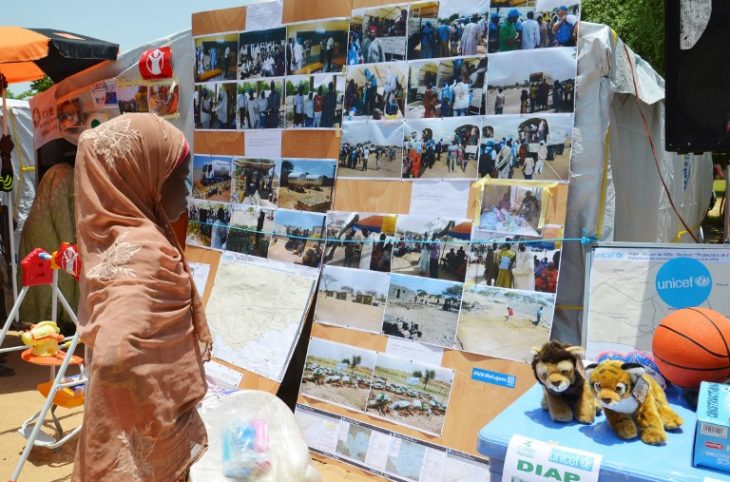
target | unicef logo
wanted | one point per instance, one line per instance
(683, 283)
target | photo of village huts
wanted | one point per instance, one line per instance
(215, 57)
(296, 237)
(307, 184)
(371, 149)
(317, 47)
(410, 393)
(352, 298)
(251, 230)
(314, 101)
(512, 209)
(376, 91)
(208, 223)
(338, 374)
(444, 149)
(259, 104)
(212, 177)
(360, 240)
(422, 309)
(377, 34)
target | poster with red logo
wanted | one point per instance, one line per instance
(156, 63)
(45, 124)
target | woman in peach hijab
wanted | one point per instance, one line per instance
(140, 316)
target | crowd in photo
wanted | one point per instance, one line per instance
(357, 156)
(444, 38)
(213, 222)
(258, 106)
(374, 95)
(519, 30)
(317, 48)
(433, 259)
(451, 95)
(265, 59)
(365, 45)
(499, 158)
(540, 96)
(422, 151)
(313, 107)
(516, 265)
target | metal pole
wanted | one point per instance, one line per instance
(54, 297)
(13, 254)
(13, 313)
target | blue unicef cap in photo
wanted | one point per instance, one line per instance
(683, 283)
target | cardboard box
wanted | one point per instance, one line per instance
(712, 446)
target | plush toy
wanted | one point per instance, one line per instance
(633, 401)
(566, 394)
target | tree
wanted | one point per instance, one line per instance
(453, 292)
(355, 360)
(286, 168)
(347, 289)
(36, 87)
(417, 374)
(327, 280)
(427, 376)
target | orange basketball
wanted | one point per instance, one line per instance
(692, 345)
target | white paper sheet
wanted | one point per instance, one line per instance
(434, 465)
(263, 16)
(440, 198)
(200, 275)
(222, 375)
(262, 144)
(378, 448)
(413, 350)
(531, 460)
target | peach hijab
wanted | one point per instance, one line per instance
(140, 316)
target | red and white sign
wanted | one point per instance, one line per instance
(156, 63)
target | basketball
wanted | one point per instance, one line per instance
(691, 345)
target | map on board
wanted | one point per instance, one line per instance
(627, 300)
(255, 313)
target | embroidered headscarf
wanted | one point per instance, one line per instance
(140, 315)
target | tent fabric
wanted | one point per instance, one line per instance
(20, 128)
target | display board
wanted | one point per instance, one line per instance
(632, 287)
(368, 151)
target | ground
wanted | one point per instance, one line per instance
(278, 252)
(418, 419)
(438, 326)
(355, 315)
(346, 396)
(219, 191)
(289, 199)
(388, 169)
(407, 264)
(512, 101)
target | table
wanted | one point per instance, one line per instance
(622, 460)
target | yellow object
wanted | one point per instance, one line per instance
(43, 338)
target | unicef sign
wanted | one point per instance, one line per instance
(683, 283)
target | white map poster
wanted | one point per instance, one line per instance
(631, 289)
(255, 312)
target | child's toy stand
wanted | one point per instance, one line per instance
(41, 268)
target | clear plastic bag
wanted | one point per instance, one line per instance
(246, 450)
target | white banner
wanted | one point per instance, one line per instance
(530, 460)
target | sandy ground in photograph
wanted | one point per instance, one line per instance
(417, 419)
(289, 198)
(438, 326)
(484, 332)
(348, 396)
(512, 101)
(440, 170)
(388, 169)
(558, 168)
(222, 189)
(278, 251)
(408, 264)
(352, 315)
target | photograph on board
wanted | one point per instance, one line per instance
(504, 323)
(511, 209)
(164, 99)
(262, 54)
(359, 240)
(447, 28)
(352, 298)
(522, 147)
(376, 91)
(212, 177)
(410, 393)
(431, 247)
(338, 374)
(297, 237)
(208, 223)
(134, 99)
(521, 263)
(307, 184)
(532, 81)
(441, 149)
(354, 443)
(550, 23)
(314, 101)
(215, 106)
(561, 21)
(422, 309)
(446, 88)
(259, 104)
(317, 46)
(256, 181)
(371, 149)
(215, 57)
(250, 232)
(377, 34)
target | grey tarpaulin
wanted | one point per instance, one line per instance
(615, 189)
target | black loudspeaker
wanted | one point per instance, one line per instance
(698, 75)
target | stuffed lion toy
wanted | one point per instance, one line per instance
(566, 394)
(632, 401)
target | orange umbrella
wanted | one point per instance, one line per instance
(461, 230)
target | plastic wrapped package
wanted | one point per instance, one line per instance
(252, 436)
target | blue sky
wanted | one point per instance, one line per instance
(300, 219)
(415, 283)
(314, 168)
(130, 23)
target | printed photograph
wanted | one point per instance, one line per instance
(422, 309)
(262, 54)
(447, 28)
(214, 106)
(259, 104)
(296, 238)
(377, 34)
(314, 101)
(504, 323)
(524, 25)
(371, 149)
(359, 240)
(134, 98)
(446, 88)
(353, 445)
(338, 374)
(212, 178)
(527, 264)
(352, 298)
(561, 21)
(511, 209)
(250, 231)
(215, 57)
(256, 182)
(317, 46)
(307, 184)
(532, 81)
(431, 247)
(376, 91)
(410, 393)
(522, 147)
(164, 99)
(71, 116)
(443, 149)
(208, 223)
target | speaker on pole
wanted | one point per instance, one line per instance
(698, 75)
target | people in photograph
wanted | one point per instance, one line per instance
(227, 57)
(373, 52)
(428, 40)
(523, 271)
(530, 208)
(330, 52)
(470, 37)
(221, 109)
(565, 28)
(349, 247)
(530, 32)
(353, 50)
(272, 107)
(538, 316)
(309, 110)
(370, 92)
(318, 106)
(493, 33)
(252, 109)
(462, 97)
(443, 34)
(508, 35)
(366, 250)
(544, 37)
(490, 265)
(510, 313)
(219, 232)
(524, 102)
(528, 166)
(307, 51)
(542, 152)
(298, 53)
(298, 104)
(504, 161)
(329, 106)
(206, 109)
(434, 255)
(263, 104)
(429, 102)
(505, 262)
(447, 99)
(424, 261)
(499, 101)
